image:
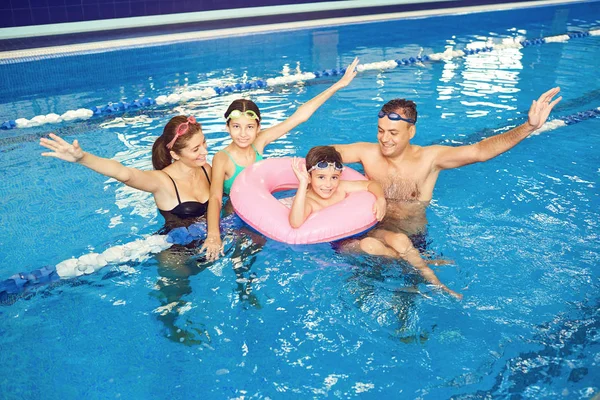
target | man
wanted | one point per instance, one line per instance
(408, 173)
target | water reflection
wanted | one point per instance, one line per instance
(176, 268)
(386, 291)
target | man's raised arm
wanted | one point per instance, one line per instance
(454, 157)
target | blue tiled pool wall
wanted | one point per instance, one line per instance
(15, 13)
(38, 12)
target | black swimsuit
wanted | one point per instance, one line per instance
(186, 210)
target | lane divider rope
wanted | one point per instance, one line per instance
(196, 94)
(135, 251)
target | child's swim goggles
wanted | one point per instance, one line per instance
(235, 114)
(324, 165)
(396, 117)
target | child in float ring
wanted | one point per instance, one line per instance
(320, 186)
(248, 142)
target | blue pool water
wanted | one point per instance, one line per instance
(522, 229)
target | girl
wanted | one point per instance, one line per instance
(248, 142)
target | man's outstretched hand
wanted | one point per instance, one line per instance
(541, 108)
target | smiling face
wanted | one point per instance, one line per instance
(243, 130)
(394, 136)
(324, 182)
(195, 151)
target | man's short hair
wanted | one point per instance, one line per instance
(407, 108)
(322, 153)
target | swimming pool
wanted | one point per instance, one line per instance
(522, 229)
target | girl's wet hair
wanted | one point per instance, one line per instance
(161, 155)
(242, 105)
(406, 108)
(322, 153)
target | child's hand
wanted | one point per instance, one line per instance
(62, 149)
(299, 167)
(379, 208)
(349, 74)
(213, 247)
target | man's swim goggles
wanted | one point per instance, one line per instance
(324, 165)
(396, 117)
(235, 114)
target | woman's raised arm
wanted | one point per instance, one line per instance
(147, 181)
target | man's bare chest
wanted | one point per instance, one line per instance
(397, 183)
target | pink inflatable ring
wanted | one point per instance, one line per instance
(252, 199)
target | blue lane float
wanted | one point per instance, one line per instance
(184, 236)
(568, 120)
(179, 98)
(138, 250)
(581, 116)
(19, 283)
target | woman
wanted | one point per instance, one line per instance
(180, 181)
(247, 146)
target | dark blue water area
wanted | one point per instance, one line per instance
(272, 320)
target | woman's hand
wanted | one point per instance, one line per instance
(299, 168)
(379, 208)
(213, 247)
(62, 149)
(349, 74)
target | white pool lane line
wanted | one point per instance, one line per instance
(118, 44)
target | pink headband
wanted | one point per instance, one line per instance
(181, 130)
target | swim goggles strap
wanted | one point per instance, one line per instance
(324, 165)
(396, 117)
(181, 130)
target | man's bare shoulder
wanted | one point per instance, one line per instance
(427, 152)
(368, 148)
(433, 148)
(428, 156)
(358, 151)
(363, 145)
